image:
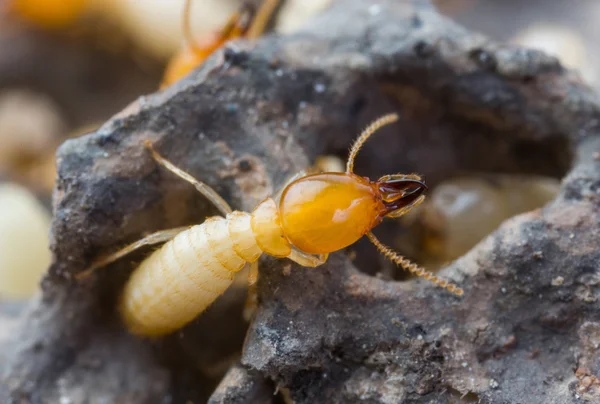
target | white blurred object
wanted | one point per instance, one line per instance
(156, 25)
(461, 212)
(30, 124)
(559, 41)
(24, 245)
(294, 13)
(330, 164)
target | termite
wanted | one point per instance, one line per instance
(312, 216)
(246, 22)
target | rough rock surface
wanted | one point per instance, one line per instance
(528, 327)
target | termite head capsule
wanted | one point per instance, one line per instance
(324, 213)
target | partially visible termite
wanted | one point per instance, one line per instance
(246, 22)
(313, 216)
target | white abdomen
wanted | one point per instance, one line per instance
(182, 278)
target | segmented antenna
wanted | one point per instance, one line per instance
(369, 130)
(412, 267)
(200, 186)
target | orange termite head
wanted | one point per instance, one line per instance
(400, 193)
(326, 212)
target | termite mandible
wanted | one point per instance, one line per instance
(314, 215)
(246, 22)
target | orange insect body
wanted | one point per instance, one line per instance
(316, 214)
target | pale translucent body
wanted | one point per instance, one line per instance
(462, 211)
(182, 278)
(24, 252)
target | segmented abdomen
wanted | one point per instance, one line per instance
(181, 279)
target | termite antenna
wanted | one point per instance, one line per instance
(412, 267)
(187, 27)
(158, 237)
(369, 130)
(200, 186)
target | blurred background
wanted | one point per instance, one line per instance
(66, 66)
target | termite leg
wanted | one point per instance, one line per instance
(239, 23)
(187, 30)
(154, 238)
(307, 260)
(262, 18)
(253, 274)
(200, 186)
(252, 299)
